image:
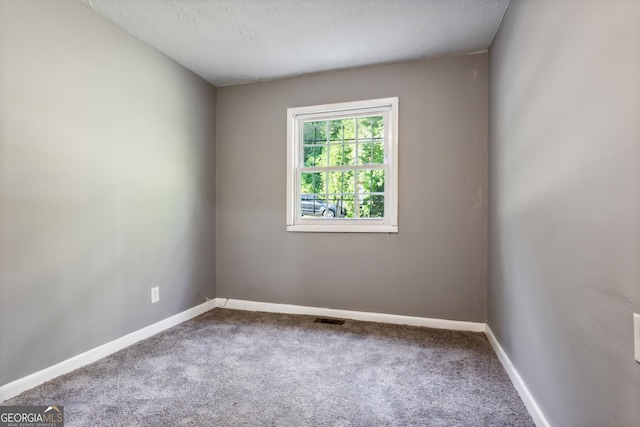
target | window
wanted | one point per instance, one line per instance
(342, 169)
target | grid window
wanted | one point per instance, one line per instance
(342, 167)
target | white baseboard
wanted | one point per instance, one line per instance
(16, 387)
(518, 382)
(348, 314)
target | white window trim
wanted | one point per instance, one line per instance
(346, 225)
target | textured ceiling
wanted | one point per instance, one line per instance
(230, 42)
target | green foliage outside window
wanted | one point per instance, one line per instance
(343, 143)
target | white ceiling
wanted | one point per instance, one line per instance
(230, 42)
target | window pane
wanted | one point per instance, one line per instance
(312, 183)
(371, 153)
(364, 129)
(369, 128)
(341, 182)
(342, 154)
(343, 204)
(315, 132)
(365, 154)
(315, 155)
(378, 153)
(313, 205)
(372, 206)
(337, 204)
(371, 181)
(342, 130)
(377, 126)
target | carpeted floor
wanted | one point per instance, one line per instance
(236, 368)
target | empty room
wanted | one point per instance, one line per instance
(320, 213)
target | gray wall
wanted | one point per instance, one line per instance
(564, 214)
(106, 184)
(434, 267)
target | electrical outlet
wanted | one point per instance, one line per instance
(155, 294)
(636, 334)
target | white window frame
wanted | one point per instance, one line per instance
(388, 107)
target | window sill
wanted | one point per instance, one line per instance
(343, 228)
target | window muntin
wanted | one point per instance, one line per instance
(342, 173)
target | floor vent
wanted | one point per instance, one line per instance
(329, 321)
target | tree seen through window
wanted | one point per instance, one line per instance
(344, 146)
